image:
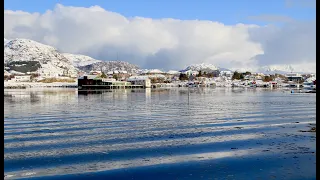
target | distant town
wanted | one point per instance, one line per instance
(156, 78)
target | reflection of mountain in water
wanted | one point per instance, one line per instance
(14, 97)
(38, 96)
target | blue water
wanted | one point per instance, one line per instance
(218, 133)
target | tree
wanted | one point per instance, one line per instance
(115, 76)
(268, 78)
(103, 75)
(200, 74)
(183, 77)
(211, 75)
(236, 75)
(215, 73)
(247, 73)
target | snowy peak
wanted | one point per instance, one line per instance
(28, 50)
(78, 60)
(25, 55)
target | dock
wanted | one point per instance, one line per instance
(94, 87)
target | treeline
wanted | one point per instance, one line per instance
(237, 75)
(266, 78)
(211, 74)
(24, 66)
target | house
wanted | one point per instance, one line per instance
(294, 77)
(26, 78)
(95, 72)
(259, 77)
(46, 73)
(172, 75)
(190, 72)
(140, 80)
(227, 74)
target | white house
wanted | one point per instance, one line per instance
(95, 72)
(140, 80)
(190, 72)
(294, 76)
(21, 78)
(228, 74)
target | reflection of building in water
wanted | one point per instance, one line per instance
(148, 94)
(140, 80)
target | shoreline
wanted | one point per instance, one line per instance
(26, 85)
(40, 85)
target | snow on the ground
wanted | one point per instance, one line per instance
(80, 60)
(39, 84)
(198, 67)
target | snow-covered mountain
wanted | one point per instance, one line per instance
(273, 69)
(151, 71)
(26, 55)
(202, 66)
(80, 60)
(106, 66)
(279, 69)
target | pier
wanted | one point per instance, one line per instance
(94, 87)
(94, 83)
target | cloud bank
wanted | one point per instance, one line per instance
(164, 43)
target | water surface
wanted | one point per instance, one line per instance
(177, 133)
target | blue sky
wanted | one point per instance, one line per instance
(283, 33)
(226, 11)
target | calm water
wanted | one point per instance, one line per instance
(159, 134)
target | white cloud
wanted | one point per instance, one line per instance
(157, 43)
(293, 43)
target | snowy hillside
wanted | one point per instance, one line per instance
(110, 66)
(80, 60)
(173, 72)
(28, 55)
(202, 66)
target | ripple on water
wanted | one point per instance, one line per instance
(123, 133)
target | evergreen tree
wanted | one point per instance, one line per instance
(183, 77)
(103, 75)
(236, 75)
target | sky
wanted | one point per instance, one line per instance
(172, 34)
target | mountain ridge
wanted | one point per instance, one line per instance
(41, 57)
